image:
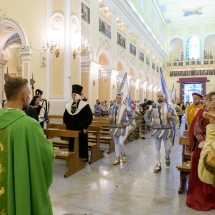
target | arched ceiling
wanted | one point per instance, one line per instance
(185, 11)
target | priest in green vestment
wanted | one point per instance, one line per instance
(26, 156)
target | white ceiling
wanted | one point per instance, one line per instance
(184, 11)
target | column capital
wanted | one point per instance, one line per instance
(25, 53)
(3, 62)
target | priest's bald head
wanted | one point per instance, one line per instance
(17, 93)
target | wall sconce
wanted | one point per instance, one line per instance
(119, 23)
(102, 76)
(83, 50)
(103, 7)
(132, 35)
(52, 47)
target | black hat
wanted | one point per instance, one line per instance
(77, 89)
(38, 91)
(149, 102)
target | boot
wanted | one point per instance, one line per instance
(124, 158)
(117, 161)
(157, 169)
(167, 161)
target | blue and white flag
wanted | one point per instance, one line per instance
(167, 99)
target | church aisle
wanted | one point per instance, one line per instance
(126, 189)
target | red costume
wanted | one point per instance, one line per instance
(200, 196)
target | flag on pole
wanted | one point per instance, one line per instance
(167, 101)
(172, 97)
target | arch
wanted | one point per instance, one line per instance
(12, 23)
(103, 59)
(121, 63)
(132, 71)
(176, 48)
(106, 51)
(207, 35)
(196, 51)
(175, 37)
(143, 76)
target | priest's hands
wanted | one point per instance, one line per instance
(84, 131)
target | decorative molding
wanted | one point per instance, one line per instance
(75, 23)
(57, 21)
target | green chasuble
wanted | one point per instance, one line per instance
(26, 165)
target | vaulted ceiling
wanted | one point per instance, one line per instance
(185, 11)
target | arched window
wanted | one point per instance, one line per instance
(193, 48)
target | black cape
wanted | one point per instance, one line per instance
(79, 122)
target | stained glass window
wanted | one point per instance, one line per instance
(193, 48)
(142, 5)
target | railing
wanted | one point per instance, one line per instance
(190, 63)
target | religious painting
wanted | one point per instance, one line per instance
(141, 56)
(120, 40)
(104, 28)
(132, 49)
(85, 13)
(147, 61)
(193, 72)
(184, 73)
(171, 73)
(211, 72)
(175, 73)
(197, 72)
(202, 72)
(179, 73)
(206, 72)
(153, 66)
(188, 73)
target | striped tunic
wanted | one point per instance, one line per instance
(164, 127)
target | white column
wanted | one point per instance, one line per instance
(93, 83)
(25, 58)
(67, 50)
(19, 71)
(2, 63)
(137, 90)
(113, 84)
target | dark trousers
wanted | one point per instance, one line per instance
(179, 120)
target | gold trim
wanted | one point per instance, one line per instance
(1, 147)
(1, 191)
(3, 212)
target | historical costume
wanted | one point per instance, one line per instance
(78, 116)
(162, 127)
(181, 113)
(26, 160)
(200, 196)
(120, 114)
(192, 110)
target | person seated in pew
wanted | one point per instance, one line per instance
(78, 116)
(120, 118)
(200, 196)
(35, 102)
(26, 156)
(97, 108)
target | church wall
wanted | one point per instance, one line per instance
(12, 63)
(84, 82)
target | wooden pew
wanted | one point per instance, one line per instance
(183, 167)
(74, 163)
(186, 133)
(104, 137)
(56, 119)
(96, 152)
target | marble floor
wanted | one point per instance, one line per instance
(126, 189)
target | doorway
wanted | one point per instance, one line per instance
(189, 89)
